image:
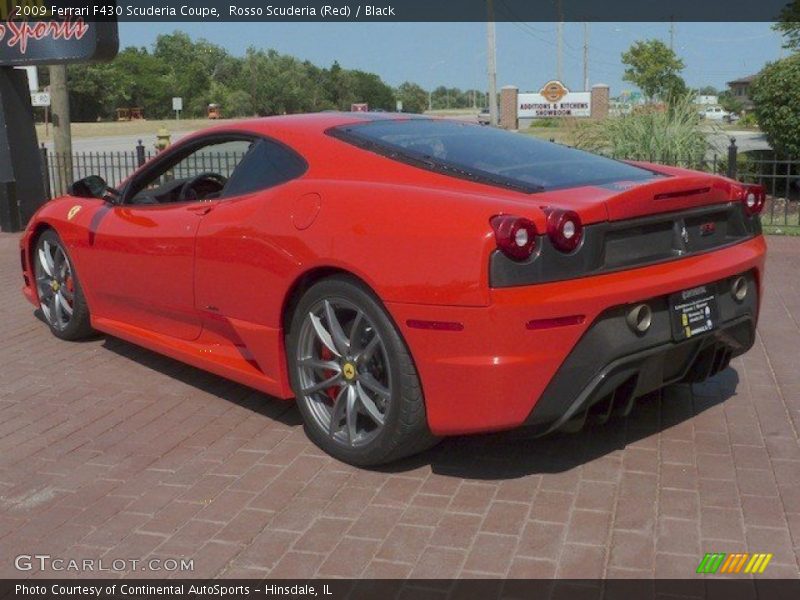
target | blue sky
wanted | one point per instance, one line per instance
(454, 54)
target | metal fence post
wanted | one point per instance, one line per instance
(732, 152)
(140, 158)
(46, 172)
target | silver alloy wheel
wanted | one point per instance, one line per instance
(55, 284)
(344, 372)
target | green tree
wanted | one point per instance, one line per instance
(143, 81)
(655, 69)
(776, 95)
(789, 25)
(413, 97)
(280, 84)
(192, 66)
(93, 91)
(262, 82)
(369, 88)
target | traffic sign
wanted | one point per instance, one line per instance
(40, 99)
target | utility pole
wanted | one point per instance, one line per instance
(671, 33)
(560, 51)
(492, 64)
(560, 44)
(62, 133)
(585, 56)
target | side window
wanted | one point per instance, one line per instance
(195, 175)
(221, 159)
(266, 165)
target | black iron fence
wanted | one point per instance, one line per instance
(62, 169)
(59, 169)
(780, 176)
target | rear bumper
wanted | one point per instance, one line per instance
(495, 373)
(613, 375)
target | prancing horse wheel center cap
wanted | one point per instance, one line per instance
(349, 371)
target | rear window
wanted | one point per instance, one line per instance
(488, 155)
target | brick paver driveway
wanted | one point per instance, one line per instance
(108, 450)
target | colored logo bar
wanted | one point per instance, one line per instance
(720, 562)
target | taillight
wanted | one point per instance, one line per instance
(753, 199)
(515, 236)
(565, 230)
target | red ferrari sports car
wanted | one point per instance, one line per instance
(407, 278)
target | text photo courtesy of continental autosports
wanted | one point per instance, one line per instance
(491, 298)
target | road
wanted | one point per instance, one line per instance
(746, 141)
(122, 143)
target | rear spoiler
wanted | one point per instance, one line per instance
(680, 190)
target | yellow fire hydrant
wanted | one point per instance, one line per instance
(162, 139)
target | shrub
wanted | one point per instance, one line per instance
(547, 123)
(776, 94)
(748, 120)
(661, 133)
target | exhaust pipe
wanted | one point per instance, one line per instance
(739, 289)
(639, 318)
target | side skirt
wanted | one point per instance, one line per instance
(223, 359)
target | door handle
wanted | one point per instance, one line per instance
(201, 209)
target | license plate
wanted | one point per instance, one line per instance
(693, 312)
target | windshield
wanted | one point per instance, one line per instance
(488, 155)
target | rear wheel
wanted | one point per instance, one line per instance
(355, 382)
(60, 295)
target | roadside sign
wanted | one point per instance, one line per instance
(177, 104)
(40, 99)
(46, 40)
(554, 100)
(399, 106)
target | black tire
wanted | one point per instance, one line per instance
(405, 429)
(78, 325)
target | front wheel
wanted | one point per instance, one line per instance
(60, 295)
(355, 382)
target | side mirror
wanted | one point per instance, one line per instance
(93, 186)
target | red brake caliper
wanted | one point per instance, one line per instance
(70, 285)
(332, 391)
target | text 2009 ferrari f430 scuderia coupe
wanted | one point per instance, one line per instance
(408, 278)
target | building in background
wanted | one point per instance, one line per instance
(740, 88)
(706, 100)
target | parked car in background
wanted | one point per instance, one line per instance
(484, 118)
(717, 113)
(407, 278)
